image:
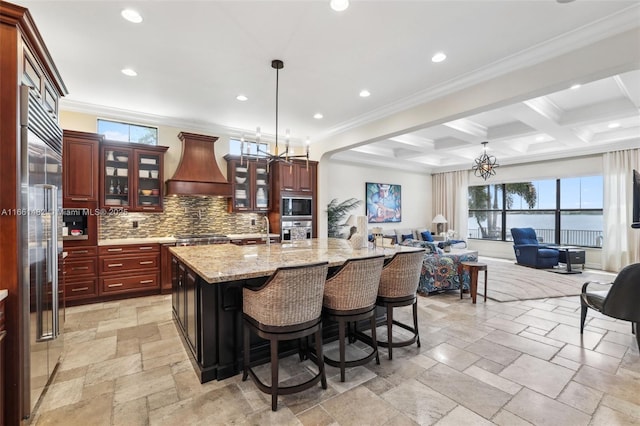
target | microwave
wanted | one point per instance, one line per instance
(297, 206)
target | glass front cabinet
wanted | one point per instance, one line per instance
(131, 177)
(250, 185)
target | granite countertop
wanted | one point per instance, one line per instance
(170, 240)
(228, 262)
(3, 294)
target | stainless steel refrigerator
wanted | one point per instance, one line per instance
(41, 247)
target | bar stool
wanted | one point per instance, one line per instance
(350, 296)
(473, 268)
(398, 286)
(288, 306)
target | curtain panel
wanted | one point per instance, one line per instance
(451, 199)
(621, 245)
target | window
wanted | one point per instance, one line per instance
(125, 132)
(562, 211)
(250, 148)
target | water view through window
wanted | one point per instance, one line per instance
(562, 211)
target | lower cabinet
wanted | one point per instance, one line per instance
(80, 274)
(133, 268)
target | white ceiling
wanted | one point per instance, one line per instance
(194, 57)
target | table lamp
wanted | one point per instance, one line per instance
(439, 220)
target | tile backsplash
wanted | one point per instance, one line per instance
(182, 215)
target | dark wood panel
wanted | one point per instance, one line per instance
(128, 264)
(130, 283)
(73, 268)
(128, 249)
(80, 288)
(80, 252)
(80, 166)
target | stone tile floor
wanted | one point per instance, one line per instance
(514, 363)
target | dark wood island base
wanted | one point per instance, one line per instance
(207, 301)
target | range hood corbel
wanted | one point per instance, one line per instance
(198, 172)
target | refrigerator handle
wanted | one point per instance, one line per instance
(53, 205)
(50, 204)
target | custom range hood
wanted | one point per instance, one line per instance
(198, 173)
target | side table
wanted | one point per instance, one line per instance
(474, 268)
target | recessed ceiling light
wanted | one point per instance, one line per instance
(318, 116)
(339, 5)
(540, 139)
(241, 98)
(438, 57)
(129, 72)
(575, 86)
(131, 16)
(613, 125)
(565, 1)
(364, 93)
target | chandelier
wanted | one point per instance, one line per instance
(485, 165)
(284, 156)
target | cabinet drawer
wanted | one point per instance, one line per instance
(80, 266)
(129, 249)
(129, 283)
(79, 252)
(124, 264)
(80, 288)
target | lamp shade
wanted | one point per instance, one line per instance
(439, 219)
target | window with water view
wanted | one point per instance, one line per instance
(562, 211)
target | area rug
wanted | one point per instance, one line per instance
(508, 281)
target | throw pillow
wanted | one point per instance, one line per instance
(407, 237)
(426, 236)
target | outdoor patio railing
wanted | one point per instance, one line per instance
(570, 237)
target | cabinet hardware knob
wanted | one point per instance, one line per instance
(80, 289)
(114, 265)
(146, 281)
(115, 285)
(79, 268)
(114, 249)
(81, 251)
(146, 248)
(147, 262)
(79, 199)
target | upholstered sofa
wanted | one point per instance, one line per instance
(439, 269)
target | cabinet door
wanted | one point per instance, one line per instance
(305, 177)
(80, 170)
(178, 291)
(240, 177)
(261, 187)
(115, 176)
(148, 181)
(287, 177)
(191, 309)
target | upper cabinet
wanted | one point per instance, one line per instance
(80, 168)
(250, 185)
(295, 177)
(131, 176)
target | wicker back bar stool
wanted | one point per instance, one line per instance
(288, 306)
(398, 287)
(350, 296)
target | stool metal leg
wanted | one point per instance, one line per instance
(246, 354)
(389, 331)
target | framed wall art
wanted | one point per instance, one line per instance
(384, 202)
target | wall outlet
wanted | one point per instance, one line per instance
(135, 223)
(253, 222)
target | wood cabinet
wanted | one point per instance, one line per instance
(3, 333)
(295, 178)
(131, 176)
(80, 274)
(184, 292)
(131, 268)
(250, 189)
(24, 59)
(80, 168)
(165, 268)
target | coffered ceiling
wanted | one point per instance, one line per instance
(194, 57)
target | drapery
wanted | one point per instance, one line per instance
(450, 198)
(621, 245)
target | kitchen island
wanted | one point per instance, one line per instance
(207, 284)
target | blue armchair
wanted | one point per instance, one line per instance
(529, 252)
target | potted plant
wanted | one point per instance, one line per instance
(335, 215)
